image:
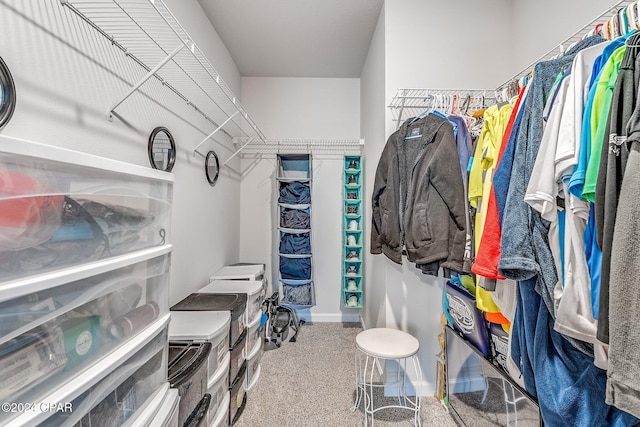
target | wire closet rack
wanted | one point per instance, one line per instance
(411, 102)
(149, 34)
(316, 146)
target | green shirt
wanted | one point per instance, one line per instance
(599, 118)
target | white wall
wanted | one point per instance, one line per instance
(300, 108)
(372, 120)
(67, 77)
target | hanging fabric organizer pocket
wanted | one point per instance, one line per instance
(295, 244)
(297, 292)
(295, 193)
(295, 268)
(298, 219)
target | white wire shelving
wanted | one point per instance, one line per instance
(249, 146)
(410, 102)
(148, 33)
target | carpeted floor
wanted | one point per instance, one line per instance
(311, 383)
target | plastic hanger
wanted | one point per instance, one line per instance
(631, 24)
(632, 16)
(623, 23)
(615, 26)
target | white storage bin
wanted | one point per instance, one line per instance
(253, 367)
(58, 330)
(73, 384)
(203, 326)
(252, 272)
(238, 397)
(167, 413)
(60, 208)
(254, 291)
(254, 335)
(235, 304)
(120, 396)
(238, 356)
(222, 417)
(218, 388)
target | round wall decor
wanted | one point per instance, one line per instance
(7, 94)
(212, 167)
(162, 149)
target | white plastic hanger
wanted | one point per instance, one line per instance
(623, 22)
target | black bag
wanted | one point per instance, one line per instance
(280, 319)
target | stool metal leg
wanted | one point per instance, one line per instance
(371, 406)
(358, 369)
(418, 390)
(368, 394)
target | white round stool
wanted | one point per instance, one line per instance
(384, 344)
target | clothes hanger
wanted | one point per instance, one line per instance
(632, 16)
(605, 30)
(615, 26)
(623, 23)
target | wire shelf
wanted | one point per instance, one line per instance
(410, 102)
(301, 146)
(148, 33)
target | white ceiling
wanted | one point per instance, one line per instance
(295, 38)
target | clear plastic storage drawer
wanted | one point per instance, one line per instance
(60, 208)
(253, 289)
(50, 335)
(218, 388)
(254, 336)
(119, 397)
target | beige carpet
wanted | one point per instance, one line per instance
(311, 383)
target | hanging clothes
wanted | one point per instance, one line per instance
(488, 254)
(613, 159)
(623, 388)
(496, 119)
(418, 197)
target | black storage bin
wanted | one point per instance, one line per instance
(234, 303)
(238, 396)
(237, 357)
(198, 417)
(188, 362)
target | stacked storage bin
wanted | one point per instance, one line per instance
(294, 214)
(244, 272)
(84, 274)
(253, 316)
(198, 327)
(235, 305)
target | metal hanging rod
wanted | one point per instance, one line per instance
(300, 146)
(574, 38)
(148, 33)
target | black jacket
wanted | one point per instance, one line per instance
(418, 196)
